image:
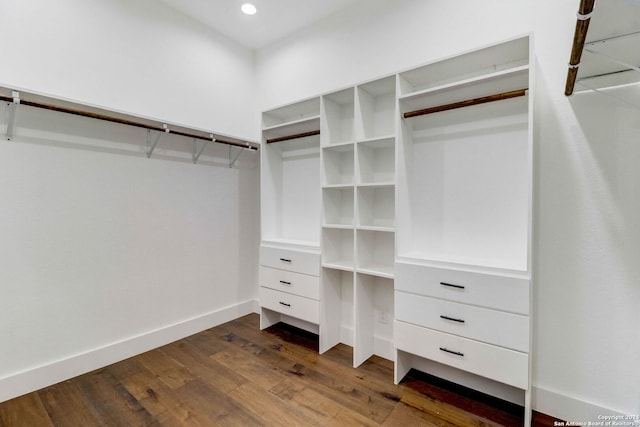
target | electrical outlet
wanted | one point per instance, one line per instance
(383, 317)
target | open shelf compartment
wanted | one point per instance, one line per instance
(338, 114)
(465, 192)
(376, 108)
(338, 204)
(376, 161)
(338, 165)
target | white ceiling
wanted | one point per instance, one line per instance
(275, 18)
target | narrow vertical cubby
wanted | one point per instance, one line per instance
(337, 313)
(375, 252)
(376, 208)
(338, 165)
(374, 313)
(338, 205)
(376, 161)
(338, 248)
(376, 108)
(338, 113)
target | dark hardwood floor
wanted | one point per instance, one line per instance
(237, 375)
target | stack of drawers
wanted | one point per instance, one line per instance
(475, 322)
(290, 282)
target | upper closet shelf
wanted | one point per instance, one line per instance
(16, 98)
(515, 77)
(295, 121)
(479, 89)
(604, 52)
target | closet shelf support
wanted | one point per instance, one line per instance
(11, 114)
(612, 59)
(151, 145)
(235, 158)
(197, 151)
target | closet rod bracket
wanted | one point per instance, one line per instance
(232, 160)
(151, 145)
(197, 151)
(11, 114)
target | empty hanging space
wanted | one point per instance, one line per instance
(291, 173)
(466, 170)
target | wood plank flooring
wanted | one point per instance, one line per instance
(237, 375)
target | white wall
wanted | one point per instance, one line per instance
(103, 252)
(136, 56)
(587, 224)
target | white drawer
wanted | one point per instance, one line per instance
(286, 259)
(481, 324)
(498, 363)
(288, 281)
(291, 305)
(486, 290)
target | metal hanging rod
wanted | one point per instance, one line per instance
(296, 136)
(466, 103)
(582, 26)
(98, 116)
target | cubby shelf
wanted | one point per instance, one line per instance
(338, 113)
(376, 161)
(338, 165)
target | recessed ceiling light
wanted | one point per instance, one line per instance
(249, 9)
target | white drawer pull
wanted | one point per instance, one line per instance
(285, 283)
(452, 285)
(446, 350)
(285, 260)
(453, 319)
(285, 304)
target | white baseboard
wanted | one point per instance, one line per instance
(39, 377)
(569, 408)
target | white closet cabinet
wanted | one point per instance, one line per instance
(290, 216)
(404, 228)
(463, 206)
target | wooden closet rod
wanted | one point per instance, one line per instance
(466, 103)
(126, 122)
(296, 136)
(579, 37)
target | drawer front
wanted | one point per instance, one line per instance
(485, 290)
(288, 281)
(481, 324)
(291, 305)
(285, 259)
(497, 363)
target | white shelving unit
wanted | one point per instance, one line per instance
(290, 248)
(358, 176)
(463, 205)
(413, 205)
